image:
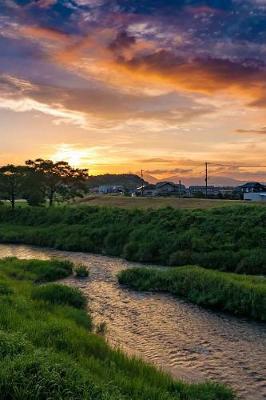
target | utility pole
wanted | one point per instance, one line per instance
(142, 183)
(180, 189)
(206, 179)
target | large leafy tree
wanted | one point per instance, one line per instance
(33, 189)
(58, 178)
(12, 179)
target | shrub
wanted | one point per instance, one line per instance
(180, 258)
(81, 271)
(60, 294)
(50, 271)
(37, 270)
(101, 329)
(241, 295)
(252, 263)
(5, 289)
(222, 238)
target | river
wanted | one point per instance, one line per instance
(187, 341)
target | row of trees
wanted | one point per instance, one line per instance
(40, 180)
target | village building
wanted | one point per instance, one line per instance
(161, 189)
(251, 187)
(255, 196)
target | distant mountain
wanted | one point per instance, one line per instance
(213, 181)
(198, 181)
(132, 181)
(151, 179)
(129, 181)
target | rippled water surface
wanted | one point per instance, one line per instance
(189, 342)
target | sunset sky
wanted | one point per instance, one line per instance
(119, 86)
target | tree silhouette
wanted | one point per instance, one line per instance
(11, 182)
(58, 178)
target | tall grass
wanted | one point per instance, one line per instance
(58, 294)
(229, 239)
(47, 349)
(36, 270)
(240, 295)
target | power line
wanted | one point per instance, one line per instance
(142, 183)
(206, 179)
(238, 165)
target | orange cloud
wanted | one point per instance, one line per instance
(37, 32)
(139, 63)
(206, 76)
(122, 60)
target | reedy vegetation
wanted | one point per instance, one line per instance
(228, 239)
(238, 294)
(48, 350)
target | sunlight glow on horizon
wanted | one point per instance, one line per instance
(118, 89)
(76, 157)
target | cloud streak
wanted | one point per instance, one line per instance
(160, 80)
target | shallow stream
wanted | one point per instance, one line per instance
(189, 342)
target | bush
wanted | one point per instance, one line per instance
(221, 238)
(50, 271)
(35, 199)
(241, 295)
(5, 289)
(37, 270)
(253, 262)
(60, 294)
(81, 271)
(101, 329)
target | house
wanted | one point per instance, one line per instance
(109, 189)
(226, 190)
(170, 188)
(201, 190)
(255, 196)
(251, 187)
(161, 189)
(146, 190)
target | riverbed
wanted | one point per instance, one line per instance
(183, 339)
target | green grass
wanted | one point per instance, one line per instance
(59, 294)
(229, 239)
(240, 295)
(48, 351)
(37, 270)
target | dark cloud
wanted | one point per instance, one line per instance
(101, 102)
(123, 40)
(261, 131)
(155, 160)
(169, 171)
(150, 6)
(205, 75)
(260, 102)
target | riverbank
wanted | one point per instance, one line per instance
(158, 202)
(48, 350)
(229, 239)
(239, 295)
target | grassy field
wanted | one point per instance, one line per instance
(157, 202)
(48, 350)
(231, 239)
(237, 294)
